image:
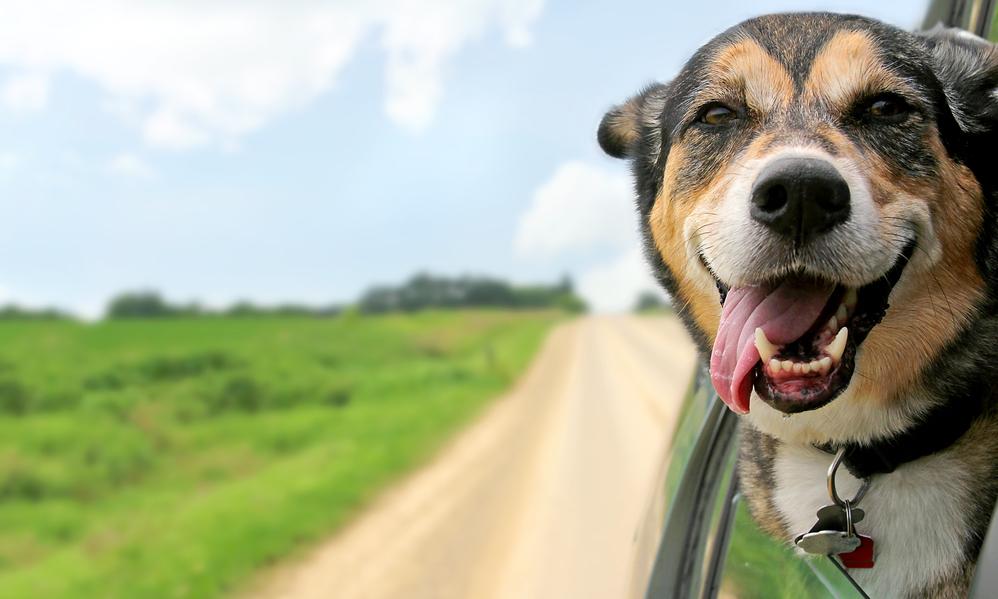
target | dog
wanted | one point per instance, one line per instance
(817, 194)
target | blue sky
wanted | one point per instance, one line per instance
(301, 152)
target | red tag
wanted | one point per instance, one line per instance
(860, 557)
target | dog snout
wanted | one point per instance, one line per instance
(800, 198)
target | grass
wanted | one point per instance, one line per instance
(761, 567)
(174, 458)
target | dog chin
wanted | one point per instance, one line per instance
(850, 418)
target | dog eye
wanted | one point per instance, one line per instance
(887, 107)
(717, 114)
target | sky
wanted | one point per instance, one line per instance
(299, 151)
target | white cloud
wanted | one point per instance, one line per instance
(25, 92)
(584, 208)
(192, 73)
(421, 36)
(129, 165)
(614, 286)
(579, 207)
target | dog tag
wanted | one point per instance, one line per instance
(834, 517)
(828, 542)
(830, 534)
(860, 557)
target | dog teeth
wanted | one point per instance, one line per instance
(842, 314)
(833, 323)
(838, 345)
(850, 299)
(787, 368)
(766, 348)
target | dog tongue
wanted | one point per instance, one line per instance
(784, 313)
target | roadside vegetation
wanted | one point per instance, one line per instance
(652, 302)
(421, 292)
(151, 457)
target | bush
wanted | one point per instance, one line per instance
(650, 301)
(338, 398)
(19, 483)
(171, 368)
(237, 394)
(160, 369)
(14, 397)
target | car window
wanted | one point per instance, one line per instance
(692, 417)
(710, 546)
(993, 24)
(743, 562)
(695, 475)
(756, 566)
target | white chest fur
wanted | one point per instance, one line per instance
(916, 515)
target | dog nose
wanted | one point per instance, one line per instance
(800, 198)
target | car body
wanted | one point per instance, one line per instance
(698, 539)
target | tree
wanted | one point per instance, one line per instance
(139, 304)
(650, 301)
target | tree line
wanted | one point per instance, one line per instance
(427, 291)
(150, 304)
(420, 292)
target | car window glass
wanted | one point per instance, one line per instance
(759, 567)
(691, 418)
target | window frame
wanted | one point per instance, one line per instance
(687, 524)
(975, 16)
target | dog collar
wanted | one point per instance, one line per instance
(934, 431)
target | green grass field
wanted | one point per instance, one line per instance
(174, 458)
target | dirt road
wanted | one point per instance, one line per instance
(539, 498)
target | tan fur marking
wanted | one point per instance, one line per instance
(931, 306)
(760, 146)
(847, 67)
(746, 67)
(625, 121)
(666, 220)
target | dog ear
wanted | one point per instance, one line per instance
(967, 67)
(623, 126)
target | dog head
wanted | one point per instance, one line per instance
(815, 195)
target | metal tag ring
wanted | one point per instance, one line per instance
(832, 469)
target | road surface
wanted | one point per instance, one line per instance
(539, 498)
